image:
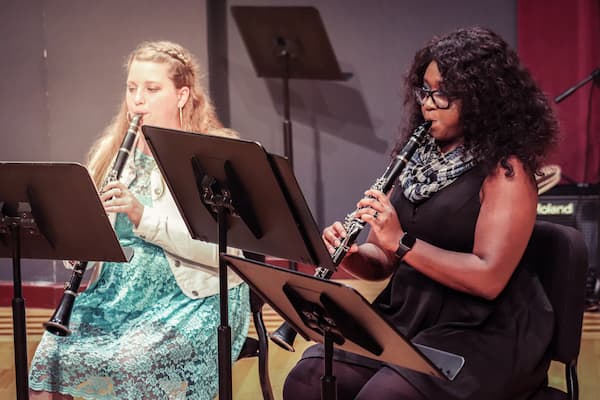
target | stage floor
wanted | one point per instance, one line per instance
(245, 372)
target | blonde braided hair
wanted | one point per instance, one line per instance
(198, 113)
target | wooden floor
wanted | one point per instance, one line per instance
(245, 372)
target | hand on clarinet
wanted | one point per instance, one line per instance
(117, 198)
(332, 236)
(377, 211)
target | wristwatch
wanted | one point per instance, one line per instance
(405, 244)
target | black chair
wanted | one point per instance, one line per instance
(258, 347)
(559, 256)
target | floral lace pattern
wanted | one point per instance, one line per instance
(135, 334)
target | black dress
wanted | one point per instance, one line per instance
(504, 341)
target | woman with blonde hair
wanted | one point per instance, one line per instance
(147, 329)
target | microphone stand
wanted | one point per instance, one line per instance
(595, 76)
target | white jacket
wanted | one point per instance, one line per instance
(194, 263)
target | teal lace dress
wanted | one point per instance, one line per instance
(135, 334)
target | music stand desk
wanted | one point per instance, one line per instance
(232, 192)
(287, 43)
(287, 229)
(383, 342)
(49, 211)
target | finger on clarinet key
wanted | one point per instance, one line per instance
(364, 211)
(365, 202)
(331, 237)
(104, 196)
(108, 194)
(330, 249)
(373, 193)
(339, 229)
(353, 248)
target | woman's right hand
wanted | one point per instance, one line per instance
(116, 197)
(333, 235)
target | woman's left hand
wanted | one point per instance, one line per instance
(117, 198)
(377, 210)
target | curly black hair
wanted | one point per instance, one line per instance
(503, 113)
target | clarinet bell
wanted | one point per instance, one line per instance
(284, 337)
(58, 324)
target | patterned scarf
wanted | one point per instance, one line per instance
(430, 170)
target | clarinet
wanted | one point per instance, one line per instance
(285, 335)
(59, 322)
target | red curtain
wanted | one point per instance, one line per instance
(559, 41)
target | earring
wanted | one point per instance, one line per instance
(181, 117)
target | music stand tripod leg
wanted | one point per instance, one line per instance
(224, 331)
(287, 122)
(18, 309)
(328, 384)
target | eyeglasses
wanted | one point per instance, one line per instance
(439, 98)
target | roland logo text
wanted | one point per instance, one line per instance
(555, 209)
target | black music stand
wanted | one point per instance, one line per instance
(331, 313)
(232, 192)
(49, 211)
(287, 43)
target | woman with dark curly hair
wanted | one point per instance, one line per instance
(451, 235)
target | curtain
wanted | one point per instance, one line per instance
(559, 41)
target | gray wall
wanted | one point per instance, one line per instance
(63, 76)
(63, 79)
(344, 132)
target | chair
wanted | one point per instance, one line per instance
(559, 256)
(258, 347)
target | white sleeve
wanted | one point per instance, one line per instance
(163, 226)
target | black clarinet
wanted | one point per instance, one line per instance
(285, 335)
(59, 322)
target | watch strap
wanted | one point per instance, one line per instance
(405, 244)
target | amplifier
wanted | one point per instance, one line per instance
(579, 207)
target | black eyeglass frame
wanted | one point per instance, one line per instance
(430, 93)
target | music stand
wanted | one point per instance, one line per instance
(232, 192)
(331, 313)
(287, 43)
(49, 211)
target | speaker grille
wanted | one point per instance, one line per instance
(580, 210)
